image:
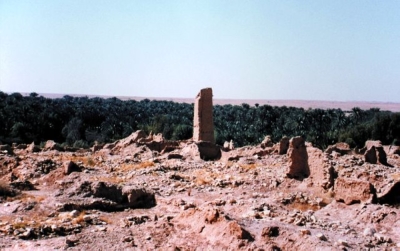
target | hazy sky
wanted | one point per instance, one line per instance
(312, 50)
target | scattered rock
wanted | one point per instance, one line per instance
(127, 239)
(272, 231)
(106, 197)
(134, 137)
(375, 153)
(238, 232)
(102, 229)
(394, 150)
(32, 148)
(96, 147)
(352, 191)
(212, 216)
(340, 147)
(321, 236)
(228, 146)
(46, 166)
(70, 242)
(27, 234)
(70, 167)
(369, 231)
(25, 185)
(202, 150)
(267, 142)
(174, 156)
(283, 145)
(343, 242)
(51, 145)
(6, 149)
(305, 231)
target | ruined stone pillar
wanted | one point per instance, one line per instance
(203, 123)
(298, 158)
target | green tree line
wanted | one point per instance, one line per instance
(80, 121)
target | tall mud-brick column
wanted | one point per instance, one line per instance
(203, 123)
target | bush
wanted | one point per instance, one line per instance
(6, 190)
(351, 142)
(81, 144)
(182, 132)
(79, 121)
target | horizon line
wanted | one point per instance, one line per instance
(305, 104)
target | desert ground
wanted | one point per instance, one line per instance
(146, 193)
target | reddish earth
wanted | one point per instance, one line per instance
(131, 196)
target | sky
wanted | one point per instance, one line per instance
(305, 50)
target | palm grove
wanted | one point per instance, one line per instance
(80, 121)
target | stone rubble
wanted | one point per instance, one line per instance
(146, 193)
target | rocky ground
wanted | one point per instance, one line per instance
(145, 193)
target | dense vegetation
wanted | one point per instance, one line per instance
(79, 121)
